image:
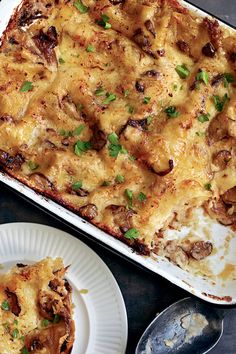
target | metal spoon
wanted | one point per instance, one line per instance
(187, 326)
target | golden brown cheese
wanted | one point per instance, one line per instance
(128, 109)
(36, 309)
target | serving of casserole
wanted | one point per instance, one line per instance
(124, 112)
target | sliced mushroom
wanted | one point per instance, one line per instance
(143, 42)
(80, 192)
(183, 46)
(201, 250)
(214, 31)
(46, 42)
(140, 124)
(121, 216)
(28, 15)
(168, 170)
(152, 74)
(88, 211)
(116, 2)
(218, 128)
(209, 50)
(218, 209)
(217, 79)
(139, 85)
(150, 27)
(41, 181)
(229, 197)
(221, 159)
(11, 162)
(13, 302)
(47, 305)
(176, 254)
(99, 138)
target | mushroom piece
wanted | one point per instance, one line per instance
(218, 128)
(99, 138)
(221, 159)
(46, 42)
(11, 162)
(229, 197)
(209, 50)
(143, 42)
(13, 302)
(41, 181)
(183, 46)
(121, 216)
(168, 170)
(150, 27)
(88, 211)
(218, 209)
(201, 250)
(176, 254)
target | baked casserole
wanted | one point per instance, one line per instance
(123, 111)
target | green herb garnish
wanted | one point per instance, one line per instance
(146, 100)
(79, 107)
(57, 318)
(15, 333)
(129, 195)
(45, 322)
(110, 97)
(204, 118)
(119, 179)
(106, 184)
(81, 7)
(130, 108)
(132, 234)
(77, 185)
(172, 112)
(228, 79)
(26, 86)
(149, 120)
(142, 197)
(79, 130)
(207, 186)
(203, 76)
(32, 165)
(24, 351)
(103, 22)
(90, 48)
(200, 134)
(100, 91)
(61, 61)
(115, 147)
(182, 71)
(5, 305)
(220, 102)
(126, 93)
(82, 146)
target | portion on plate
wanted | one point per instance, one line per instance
(125, 113)
(36, 309)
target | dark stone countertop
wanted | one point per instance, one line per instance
(145, 294)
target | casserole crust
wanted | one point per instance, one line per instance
(36, 309)
(124, 112)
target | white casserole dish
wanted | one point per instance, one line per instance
(216, 289)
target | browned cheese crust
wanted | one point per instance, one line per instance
(122, 111)
(36, 309)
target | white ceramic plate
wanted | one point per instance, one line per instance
(100, 315)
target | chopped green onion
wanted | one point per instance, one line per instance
(182, 71)
(146, 100)
(103, 22)
(26, 86)
(149, 120)
(82, 146)
(61, 61)
(110, 97)
(65, 133)
(220, 102)
(228, 79)
(142, 197)
(207, 186)
(24, 351)
(100, 91)
(172, 112)
(22, 338)
(126, 93)
(81, 7)
(5, 305)
(15, 322)
(115, 147)
(120, 179)
(77, 185)
(45, 322)
(80, 107)
(57, 318)
(203, 76)
(204, 118)
(129, 195)
(105, 184)
(90, 48)
(32, 165)
(132, 234)
(15, 333)
(130, 108)
(79, 130)
(113, 138)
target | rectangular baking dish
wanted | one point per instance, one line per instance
(215, 290)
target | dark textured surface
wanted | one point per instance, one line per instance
(145, 294)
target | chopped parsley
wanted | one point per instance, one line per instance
(130, 108)
(126, 93)
(103, 22)
(149, 120)
(15, 333)
(204, 118)
(82, 146)
(45, 322)
(79, 130)
(182, 71)
(119, 179)
(90, 49)
(228, 79)
(81, 7)
(207, 186)
(110, 97)
(220, 102)
(24, 351)
(146, 100)
(77, 185)
(26, 86)
(5, 305)
(142, 197)
(129, 195)
(61, 60)
(132, 234)
(203, 76)
(106, 184)
(115, 147)
(100, 91)
(32, 165)
(172, 112)
(57, 318)
(76, 131)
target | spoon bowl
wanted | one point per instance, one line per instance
(187, 326)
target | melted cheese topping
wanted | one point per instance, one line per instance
(117, 74)
(25, 291)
